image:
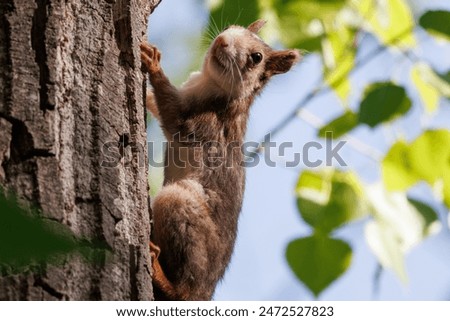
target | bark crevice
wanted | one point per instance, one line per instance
(39, 282)
(134, 292)
(5, 56)
(38, 43)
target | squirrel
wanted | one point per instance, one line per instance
(195, 214)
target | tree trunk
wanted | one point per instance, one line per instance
(71, 91)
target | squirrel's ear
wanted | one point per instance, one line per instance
(281, 61)
(256, 26)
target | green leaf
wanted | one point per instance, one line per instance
(29, 242)
(318, 260)
(338, 53)
(397, 170)
(391, 21)
(427, 158)
(445, 77)
(430, 155)
(383, 102)
(309, 44)
(341, 125)
(318, 26)
(436, 23)
(446, 188)
(224, 13)
(429, 215)
(302, 22)
(329, 199)
(400, 224)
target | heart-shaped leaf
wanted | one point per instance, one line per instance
(427, 158)
(329, 199)
(400, 224)
(318, 260)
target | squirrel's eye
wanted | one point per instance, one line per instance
(256, 57)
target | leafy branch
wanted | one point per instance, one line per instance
(322, 89)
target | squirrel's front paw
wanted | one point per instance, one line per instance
(150, 57)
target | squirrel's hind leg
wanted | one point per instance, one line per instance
(159, 278)
(188, 238)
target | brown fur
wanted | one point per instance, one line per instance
(196, 213)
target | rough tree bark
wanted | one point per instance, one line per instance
(70, 82)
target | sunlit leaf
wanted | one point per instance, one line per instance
(339, 53)
(398, 173)
(28, 241)
(429, 94)
(436, 23)
(427, 158)
(341, 125)
(400, 224)
(431, 85)
(446, 188)
(318, 260)
(382, 240)
(328, 199)
(316, 26)
(430, 155)
(411, 219)
(391, 21)
(383, 102)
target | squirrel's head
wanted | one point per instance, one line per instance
(241, 63)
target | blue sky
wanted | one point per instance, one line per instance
(269, 219)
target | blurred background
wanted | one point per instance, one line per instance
(379, 69)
